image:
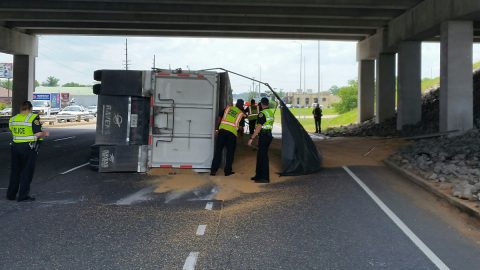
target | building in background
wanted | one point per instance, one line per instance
(307, 99)
(5, 96)
(79, 95)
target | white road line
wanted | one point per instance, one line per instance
(190, 261)
(201, 229)
(419, 243)
(66, 138)
(209, 206)
(73, 169)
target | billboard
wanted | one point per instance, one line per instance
(41, 96)
(6, 70)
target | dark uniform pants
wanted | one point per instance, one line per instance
(262, 170)
(23, 165)
(251, 126)
(225, 139)
(318, 125)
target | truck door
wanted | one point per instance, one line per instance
(183, 120)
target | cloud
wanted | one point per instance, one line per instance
(74, 58)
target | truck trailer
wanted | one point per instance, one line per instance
(157, 119)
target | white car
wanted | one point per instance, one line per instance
(6, 112)
(76, 113)
(92, 110)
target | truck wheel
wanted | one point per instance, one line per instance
(87, 120)
(97, 75)
(97, 88)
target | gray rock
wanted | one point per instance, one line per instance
(463, 191)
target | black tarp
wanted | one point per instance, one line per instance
(299, 154)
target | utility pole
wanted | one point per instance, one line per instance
(126, 55)
(154, 62)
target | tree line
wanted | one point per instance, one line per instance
(51, 81)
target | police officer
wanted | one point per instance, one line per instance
(252, 116)
(317, 115)
(26, 134)
(263, 131)
(227, 137)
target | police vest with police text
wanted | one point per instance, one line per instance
(21, 127)
(231, 119)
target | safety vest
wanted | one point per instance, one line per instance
(21, 127)
(270, 118)
(231, 119)
(253, 113)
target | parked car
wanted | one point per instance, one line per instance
(74, 113)
(6, 112)
(92, 110)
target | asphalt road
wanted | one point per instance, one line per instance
(86, 220)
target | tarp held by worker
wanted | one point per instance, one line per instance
(299, 154)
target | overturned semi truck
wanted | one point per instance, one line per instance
(157, 118)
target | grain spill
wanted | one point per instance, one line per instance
(229, 187)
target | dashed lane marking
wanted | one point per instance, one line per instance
(63, 139)
(201, 229)
(76, 168)
(419, 243)
(209, 206)
(191, 261)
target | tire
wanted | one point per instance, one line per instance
(87, 120)
(97, 89)
(97, 75)
(79, 119)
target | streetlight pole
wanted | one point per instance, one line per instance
(318, 87)
(301, 59)
(260, 79)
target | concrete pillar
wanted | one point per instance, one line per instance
(23, 80)
(409, 103)
(385, 90)
(366, 90)
(456, 84)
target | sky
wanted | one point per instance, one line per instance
(75, 58)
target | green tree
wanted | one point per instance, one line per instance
(334, 90)
(37, 84)
(73, 84)
(349, 96)
(7, 84)
(51, 81)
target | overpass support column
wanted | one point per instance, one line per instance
(366, 91)
(409, 107)
(456, 84)
(385, 90)
(23, 80)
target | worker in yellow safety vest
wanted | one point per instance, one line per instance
(252, 116)
(263, 131)
(227, 137)
(26, 136)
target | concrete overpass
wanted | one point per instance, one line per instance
(382, 28)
